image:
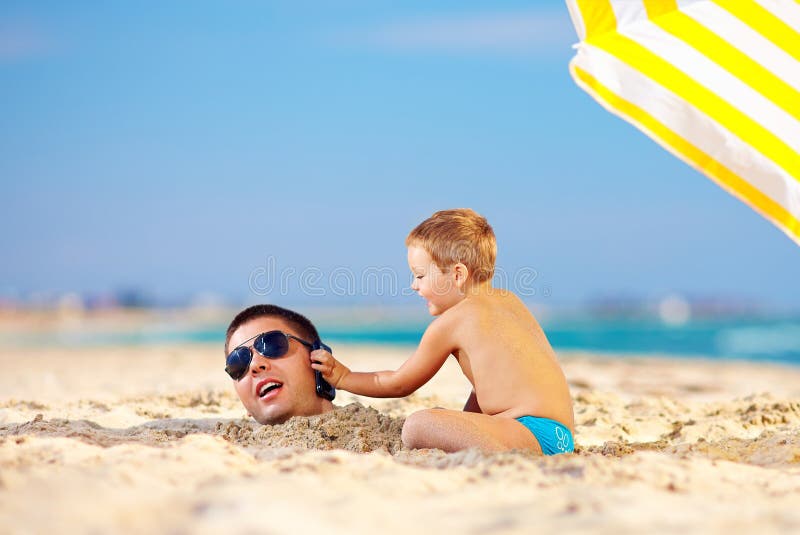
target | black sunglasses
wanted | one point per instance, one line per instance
(272, 345)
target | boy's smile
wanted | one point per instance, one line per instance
(438, 288)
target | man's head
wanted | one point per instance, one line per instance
(295, 394)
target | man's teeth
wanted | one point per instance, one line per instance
(267, 387)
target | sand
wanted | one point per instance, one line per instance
(153, 440)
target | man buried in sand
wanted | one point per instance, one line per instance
(520, 398)
(268, 350)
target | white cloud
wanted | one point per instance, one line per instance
(526, 32)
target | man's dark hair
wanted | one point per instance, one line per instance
(305, 329)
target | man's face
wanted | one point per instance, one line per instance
(296, 395)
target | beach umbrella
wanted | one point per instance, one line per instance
(715, 82)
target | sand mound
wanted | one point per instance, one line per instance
(157, 433)
(354, 428)
(757, 429)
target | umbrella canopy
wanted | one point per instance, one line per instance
(715, 82)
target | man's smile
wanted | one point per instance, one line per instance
(268, 388)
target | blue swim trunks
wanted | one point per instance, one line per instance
(554, 437)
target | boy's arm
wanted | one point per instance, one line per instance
(433, 350)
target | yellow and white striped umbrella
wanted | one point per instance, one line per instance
(715, 82)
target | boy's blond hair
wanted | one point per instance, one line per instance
(459, 235)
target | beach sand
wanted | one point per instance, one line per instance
(154, 440)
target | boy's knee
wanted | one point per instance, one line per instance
(416, 429)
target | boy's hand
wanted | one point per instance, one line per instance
(332, 370)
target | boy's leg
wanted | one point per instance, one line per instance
(451, 430)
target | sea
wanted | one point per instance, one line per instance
(774, 338)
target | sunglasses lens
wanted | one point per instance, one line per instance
(238, 362)
(272, 344)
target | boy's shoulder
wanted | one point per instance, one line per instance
(497, 302)
(476, 308)
(494, 299)
(473, 307)
(451, 318)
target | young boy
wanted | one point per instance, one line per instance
(520, 398)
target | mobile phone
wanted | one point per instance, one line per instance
(324, 388)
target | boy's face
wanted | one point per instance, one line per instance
(297, 394)
(438, 288)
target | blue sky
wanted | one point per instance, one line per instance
(176, 146)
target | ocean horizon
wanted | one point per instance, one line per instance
(774, 338)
